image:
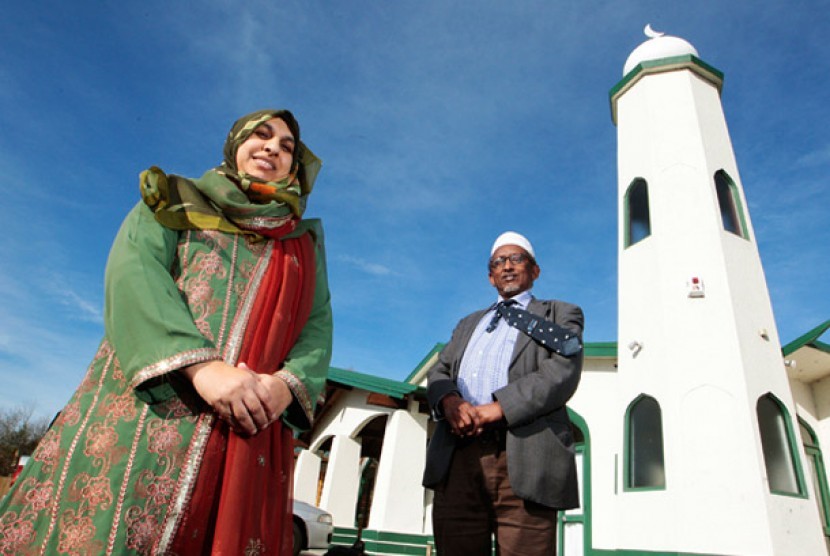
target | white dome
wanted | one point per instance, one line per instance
(658, 46)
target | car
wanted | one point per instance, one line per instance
(21, 463)
(313, 527)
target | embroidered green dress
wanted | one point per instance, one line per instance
(119, 463)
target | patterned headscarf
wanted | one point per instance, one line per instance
(232, 201)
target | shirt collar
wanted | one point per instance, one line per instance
(521, 299)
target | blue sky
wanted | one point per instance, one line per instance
(440, 124)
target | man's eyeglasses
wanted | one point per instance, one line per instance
(515, 258)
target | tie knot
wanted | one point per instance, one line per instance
(501, 309)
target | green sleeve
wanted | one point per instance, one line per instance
(306, 367)
(146, 319)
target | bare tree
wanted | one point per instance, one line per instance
(19, 434)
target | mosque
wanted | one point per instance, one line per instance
(697, 432)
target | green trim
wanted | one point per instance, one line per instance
(385, 542)
(813, 440)
(624, 552)
(344, 536)
(662, 65)
(601, 349)
(400, 390)
(438, 347)
(592, 349)
(813, 451)
(810, 339)
(737, 204)
(585, 517)
(371, 383)
(627, 451)
(792, 444)
(390, 536)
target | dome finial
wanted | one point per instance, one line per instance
(651, 33)
(658, 46)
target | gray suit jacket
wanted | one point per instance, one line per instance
(540, 454)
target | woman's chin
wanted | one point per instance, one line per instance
(264, 178)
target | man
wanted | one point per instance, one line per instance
(501, 460)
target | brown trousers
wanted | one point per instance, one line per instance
(475, 503)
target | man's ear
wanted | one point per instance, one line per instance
(490, 276)
(536, 271)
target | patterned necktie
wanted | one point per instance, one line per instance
(500, 307)
(551, 335)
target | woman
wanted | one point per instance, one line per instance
(217, 335)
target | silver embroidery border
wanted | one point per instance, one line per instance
(240, 322)
(298, 388)
(173, 363)
(122, 493)
(53, 517)
(231, 278)
(187, 480)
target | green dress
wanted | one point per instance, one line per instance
(123, 455)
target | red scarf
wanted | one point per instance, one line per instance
(241, 503)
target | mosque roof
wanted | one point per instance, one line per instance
(657, 47)
(380, 385)
(808, 356)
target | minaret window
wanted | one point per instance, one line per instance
(817, 472)
(778, 444)
(730, 205)
(644, 468)
(637, 218)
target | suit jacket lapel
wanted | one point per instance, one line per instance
(523, 340)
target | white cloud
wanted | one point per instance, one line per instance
(816, 157)
(368, 267)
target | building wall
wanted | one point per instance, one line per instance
(398, 502)
(596, 402)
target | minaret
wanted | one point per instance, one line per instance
(711, 461)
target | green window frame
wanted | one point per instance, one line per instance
(729, 203)
(644, 457)
(784, 473)
(637, 212)
(577, 519)
(819, 472)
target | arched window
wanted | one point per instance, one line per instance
(817, 472)
(573, 527)
(324, 451)
(778, 444)
(644, 467)
(637, 217)
(729, 202)
(371, 448)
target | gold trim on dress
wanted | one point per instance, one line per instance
(70, 453)
(240, 322)
(230, 289)
(122, 493)
(186, 482)
(299, 390)
(174, 363)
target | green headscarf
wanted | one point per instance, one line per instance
(230, 201)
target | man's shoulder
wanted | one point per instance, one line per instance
(555, 303)
(557, 310)
(474, 316)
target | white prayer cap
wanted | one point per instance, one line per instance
(512, 238)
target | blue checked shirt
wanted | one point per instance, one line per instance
(487, 357)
